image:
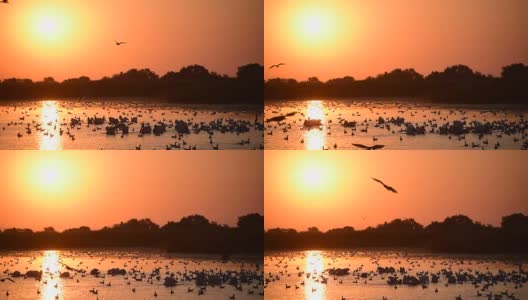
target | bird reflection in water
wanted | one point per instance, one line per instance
(314, 138)
(314, 288)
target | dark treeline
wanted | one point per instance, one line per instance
(193, 234)
(193, 84)
(457, 234)
(455, 84)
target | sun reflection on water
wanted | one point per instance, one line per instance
(51, 287)
(315, 137)
(314, 288)
(49, 137)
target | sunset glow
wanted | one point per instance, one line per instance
(315, 25)
(312, 178)
(53, 179)
(336, 38)
(51, 175)
(50, 26)
(315, 176)
(66, 189)
(72, 38)
(332, 189)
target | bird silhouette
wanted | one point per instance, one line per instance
(277, 65)
(119, 43)
(375, 147)
(5, 1)
(389, 188)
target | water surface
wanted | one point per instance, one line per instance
(64, 124)
(305, 275)
(386, 122)
(144, 279)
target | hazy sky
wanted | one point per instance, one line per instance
(67, 189)
(70, 38)
(331, 189)
(335, 38)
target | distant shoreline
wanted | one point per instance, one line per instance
(456, 84)
(456, 234)
(191, 84)
(192, 234)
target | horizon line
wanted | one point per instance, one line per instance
(396, 219)
(2, 229)
(394, 69)
(129, 69)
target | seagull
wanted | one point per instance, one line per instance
(4, 279)
(119, 43)
(389, 188)
(375, 147)
(277, 65)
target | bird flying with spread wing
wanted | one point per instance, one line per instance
(388, 188)
(375, 147)
(119, 43)
(277, 65)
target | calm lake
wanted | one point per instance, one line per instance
(143, 278)
(306, 275)
(338, 124)
(134, 124)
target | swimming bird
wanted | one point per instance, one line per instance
(389, 188)
(119, 43)
(277, 65)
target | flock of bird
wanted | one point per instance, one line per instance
(352, 124)
(290, 274)
(128, 275)
(191, 128)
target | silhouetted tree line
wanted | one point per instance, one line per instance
(455, 234)
(191, 84)
(193, 233)
(457, 83)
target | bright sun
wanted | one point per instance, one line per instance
(48, 175)
(50, 25)
(53, 175)
(315, 24)
(315, 176)
(47, 26)
(312, 176)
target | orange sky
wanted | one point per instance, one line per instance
(331, 189)
(67, 189)
(335, 38)
(70, 38)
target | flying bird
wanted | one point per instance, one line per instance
(4, 279)
(119, 43)
(388, 188)
(5, 1)
(277, 65)
(375, 147)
